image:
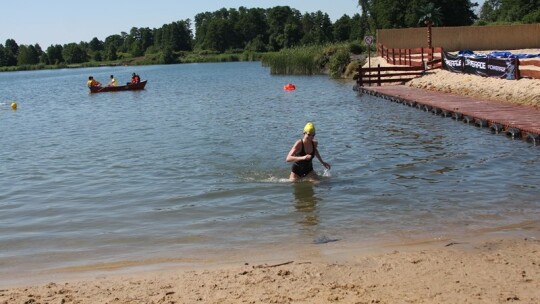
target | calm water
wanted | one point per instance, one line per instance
(195, 164)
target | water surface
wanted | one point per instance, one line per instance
(195, 165)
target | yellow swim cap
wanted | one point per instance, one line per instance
(309, 128)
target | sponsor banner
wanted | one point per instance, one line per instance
(453, 63)
(476, 66)
(502, 68)
(483, 66)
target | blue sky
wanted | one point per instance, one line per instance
(63, 21)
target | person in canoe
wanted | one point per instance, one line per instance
(135, 78)
(92, 82)
(302, 153)
(113, 82)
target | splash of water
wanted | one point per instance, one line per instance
(326, 173)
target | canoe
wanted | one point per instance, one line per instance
(127, 87)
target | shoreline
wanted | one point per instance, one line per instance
(490, 266)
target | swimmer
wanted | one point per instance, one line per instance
(302, 153)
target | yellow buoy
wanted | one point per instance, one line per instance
(14, 105)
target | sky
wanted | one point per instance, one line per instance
(62, 21)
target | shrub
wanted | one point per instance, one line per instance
(339, 62)
(356, 48)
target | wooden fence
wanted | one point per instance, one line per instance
(412, 63)
(378, 75)
(432, 57)
(457, 38)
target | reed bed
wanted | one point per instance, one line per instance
(330, 59)
(295, 61)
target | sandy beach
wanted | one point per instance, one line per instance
(500, 269)
(522, 91)
(499, 266)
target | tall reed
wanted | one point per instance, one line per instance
(295, 61)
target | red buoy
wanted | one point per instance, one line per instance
(289, 87)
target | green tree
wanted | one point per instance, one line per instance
(133, 42)
(391, 13)
(111, 52)
(316, 28)
(176, 35)
(3, 58)
(280, 19)
(74, 53)
(96, 45)
(398, 14)
(98, 56)
(27, 55)
(38, 49)
(342, 29)
(369, 15)
(488, 11)
(516, 10)
(291, 35)
(218, 35)
(113, 42)
(202, 21)
(54, 54)
(532, 17)
(44, 59)
(359, 27)
(456, 12)
(11, 52)
(252, 28)
(167, 56)
(430, 15)
(256, 44)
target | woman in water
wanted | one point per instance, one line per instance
(302, 153)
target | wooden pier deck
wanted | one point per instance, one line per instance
(514, 120)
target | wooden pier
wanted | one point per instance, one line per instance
(514, 120)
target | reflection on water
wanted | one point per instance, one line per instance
(305, 202)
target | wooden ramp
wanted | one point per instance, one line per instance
(514, 120)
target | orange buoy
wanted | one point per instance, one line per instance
(289, 87)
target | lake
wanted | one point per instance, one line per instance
(192, 169)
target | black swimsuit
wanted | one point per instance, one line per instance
(303, 167)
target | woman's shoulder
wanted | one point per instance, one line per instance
(298, 144)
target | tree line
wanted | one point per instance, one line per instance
(387, 14)
(510, 11)
(264, 30)
(225, 30)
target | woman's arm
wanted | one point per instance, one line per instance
(295, 149)
(325, 164)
